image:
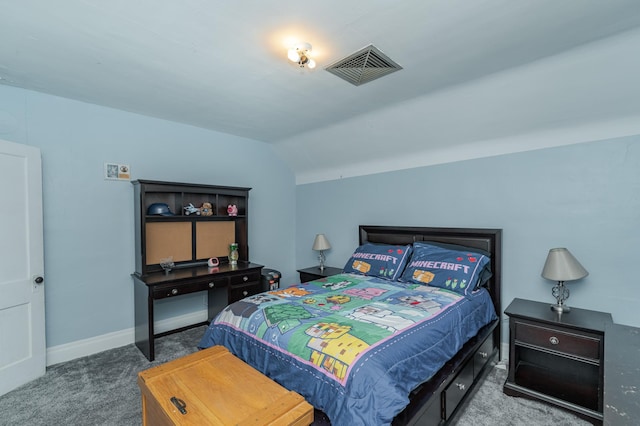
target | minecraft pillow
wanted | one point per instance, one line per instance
(455, 270)
(379, 260)
(485, 274)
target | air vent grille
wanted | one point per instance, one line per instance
(363, 66)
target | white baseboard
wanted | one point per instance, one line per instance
(92, 345)
(504, 351)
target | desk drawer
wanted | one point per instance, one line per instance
(245, 278)
(178, 288)
(559, 341)
(241, 291)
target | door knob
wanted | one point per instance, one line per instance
(38, 280)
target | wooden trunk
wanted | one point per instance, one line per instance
(216, 388)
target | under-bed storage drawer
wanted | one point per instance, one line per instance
(482, 355)
(457, 389)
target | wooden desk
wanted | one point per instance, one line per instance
(621, 375)
(225, 284)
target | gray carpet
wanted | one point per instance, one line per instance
(102, 390)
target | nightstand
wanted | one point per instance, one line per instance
(314, 273)
(557, 358)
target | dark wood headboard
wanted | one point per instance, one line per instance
(489, 240)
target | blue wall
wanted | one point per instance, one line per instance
(88, 221)
(585, 197)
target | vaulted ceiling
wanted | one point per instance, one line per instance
(222, 65)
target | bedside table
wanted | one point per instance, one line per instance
(557, 358)
(314, 273)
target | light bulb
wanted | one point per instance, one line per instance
(293, 55)
(300, 55)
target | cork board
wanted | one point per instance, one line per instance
(168, 239)
(213, 238)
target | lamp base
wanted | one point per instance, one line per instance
(561, 293)
(321, 258)
(561, 309)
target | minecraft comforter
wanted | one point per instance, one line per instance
(353, 346)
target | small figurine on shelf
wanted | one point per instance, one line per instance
(191, 209)
(233, 254)
(232, 209)
(206, 209)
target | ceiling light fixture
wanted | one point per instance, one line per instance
(300, 54)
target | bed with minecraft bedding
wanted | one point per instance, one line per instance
(379, 343)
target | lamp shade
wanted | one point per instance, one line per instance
(562, 266)
(321, 243)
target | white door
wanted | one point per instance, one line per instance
(22, 333)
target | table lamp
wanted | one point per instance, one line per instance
(321, 244)
(561, 266)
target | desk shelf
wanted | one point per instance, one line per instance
(188, 238)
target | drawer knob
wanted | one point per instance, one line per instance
(460, 386)
(174, 291)
(245, 278)
(483, 354)
(244, 293)
(211, 284)
(554, 340)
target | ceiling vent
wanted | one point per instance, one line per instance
(363, 66)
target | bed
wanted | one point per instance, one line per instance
(375, 345)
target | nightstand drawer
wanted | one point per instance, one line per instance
(556, 340)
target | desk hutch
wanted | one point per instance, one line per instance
(189, 241)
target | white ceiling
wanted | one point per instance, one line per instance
(222, 65)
